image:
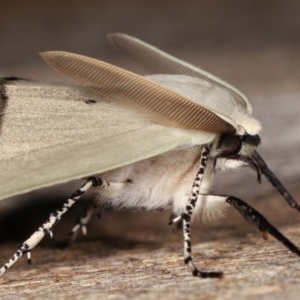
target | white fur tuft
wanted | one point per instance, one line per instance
(210, 208)
(249, 124)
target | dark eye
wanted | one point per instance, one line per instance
(229, 144)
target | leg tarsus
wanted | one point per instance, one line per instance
(204, 274)
(199, 273)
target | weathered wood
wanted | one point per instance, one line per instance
(148, 265)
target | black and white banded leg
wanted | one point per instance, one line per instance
(252, 216)
(186, 217)
(249, 213)
(47, 227)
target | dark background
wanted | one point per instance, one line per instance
(254, 45)
(246, 42)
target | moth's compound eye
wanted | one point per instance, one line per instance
(229, 144)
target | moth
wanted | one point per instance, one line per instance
(151, 142)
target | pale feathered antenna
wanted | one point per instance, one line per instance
(158, 103)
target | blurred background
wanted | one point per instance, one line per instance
(252, 44)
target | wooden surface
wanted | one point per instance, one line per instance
(252, 44)
(148, 265)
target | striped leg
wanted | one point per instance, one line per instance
(186, 220)
(250, 214)
(46, 228)
(186, 217)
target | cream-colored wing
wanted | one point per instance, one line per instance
(52, 134)
(156, 61)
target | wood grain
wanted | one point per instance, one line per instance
(141, 265)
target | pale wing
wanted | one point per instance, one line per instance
(155, 101)
(52, 134)
(157, 61)
(202, 92)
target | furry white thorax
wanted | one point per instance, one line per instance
(164, 181)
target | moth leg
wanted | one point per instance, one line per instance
(255, 218)
(250, 214)
(91, 209)
(83, 221)
(47, 227)
(186, 217)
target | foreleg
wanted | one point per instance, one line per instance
(249, 214)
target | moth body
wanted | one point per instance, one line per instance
(160, 182)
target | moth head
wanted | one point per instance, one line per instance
(229, 145)
(243, 142)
